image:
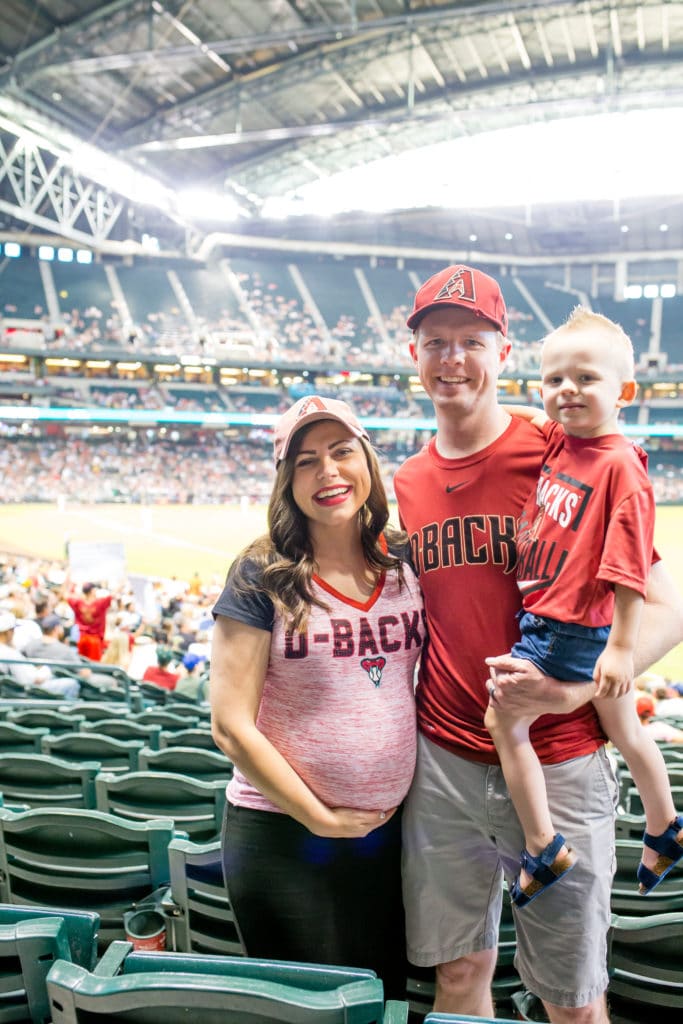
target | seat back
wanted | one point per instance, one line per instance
(153, 696)
(28, 950)
(82, 859)
(126, 729)
(645, 962)
(192, 761)
(200, 737)
(114, 755)
(165, 719)
(17, 739)
(178, 705)
(200, 915)
(39, 780)
(81, 926)
(96, 710)
(217, 989)
(55, 721)
(195, 805)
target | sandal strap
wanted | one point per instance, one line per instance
(540, 866)
(666, 844)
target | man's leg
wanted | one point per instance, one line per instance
(452, 878)
(464, 986)
(593, 1013)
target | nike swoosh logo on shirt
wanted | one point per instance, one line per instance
(454, 487)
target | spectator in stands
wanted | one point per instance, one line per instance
(117, 651)
(29, 674)
(317, 633)
(160, 674)
(51, 646)
(191, 679)
(90, 612)
(661, 732)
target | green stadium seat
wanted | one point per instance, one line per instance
(165, 719)
(165, 987)
(84, 860)
(126, 729)
(197, 907)
(28, 950)
(192, 761)
(626, 900)
(195, 805)
(18, 739)
(200, 737)
(55, 720)
(39, 780)
(646, 966)
(95, 711)
(113, 754)
(81, 928)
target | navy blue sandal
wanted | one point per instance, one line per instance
(545, 869)
(670, 851)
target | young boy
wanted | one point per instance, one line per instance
(584, 549)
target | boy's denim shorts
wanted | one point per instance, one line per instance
(563, 650)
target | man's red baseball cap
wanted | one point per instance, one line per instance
(465, 287)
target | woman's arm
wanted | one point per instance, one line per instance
(239, 661)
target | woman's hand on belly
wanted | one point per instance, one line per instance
(349, 823)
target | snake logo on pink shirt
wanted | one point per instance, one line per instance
(373, 667)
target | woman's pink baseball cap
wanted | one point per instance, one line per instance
(309, 410)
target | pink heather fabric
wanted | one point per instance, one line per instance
(353, 742)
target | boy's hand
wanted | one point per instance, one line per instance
(614, 672)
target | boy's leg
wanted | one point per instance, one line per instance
(620, 721)
(526, 785)
(523, 775)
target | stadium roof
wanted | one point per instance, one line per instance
(260, 99)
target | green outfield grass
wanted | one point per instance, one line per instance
(177, 540)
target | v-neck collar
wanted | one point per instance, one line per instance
(363, 606)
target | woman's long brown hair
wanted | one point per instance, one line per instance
(285, 554)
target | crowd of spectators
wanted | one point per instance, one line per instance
(39, 628)
(270, 325)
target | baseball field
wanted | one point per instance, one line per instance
(179, 540)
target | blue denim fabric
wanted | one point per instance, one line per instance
(563, 650)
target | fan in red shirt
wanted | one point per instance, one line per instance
(159, 673)
(90, 613)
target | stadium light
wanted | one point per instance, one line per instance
(12, 249)
(46, 252)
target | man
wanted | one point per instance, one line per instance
(29, 674)
(459, 500)
(90, 612)
(50, 646)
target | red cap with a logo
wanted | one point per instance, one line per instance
(465, 287)
(310, 410)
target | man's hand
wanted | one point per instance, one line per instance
(520, 688)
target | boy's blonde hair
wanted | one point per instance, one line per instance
(583, 319)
